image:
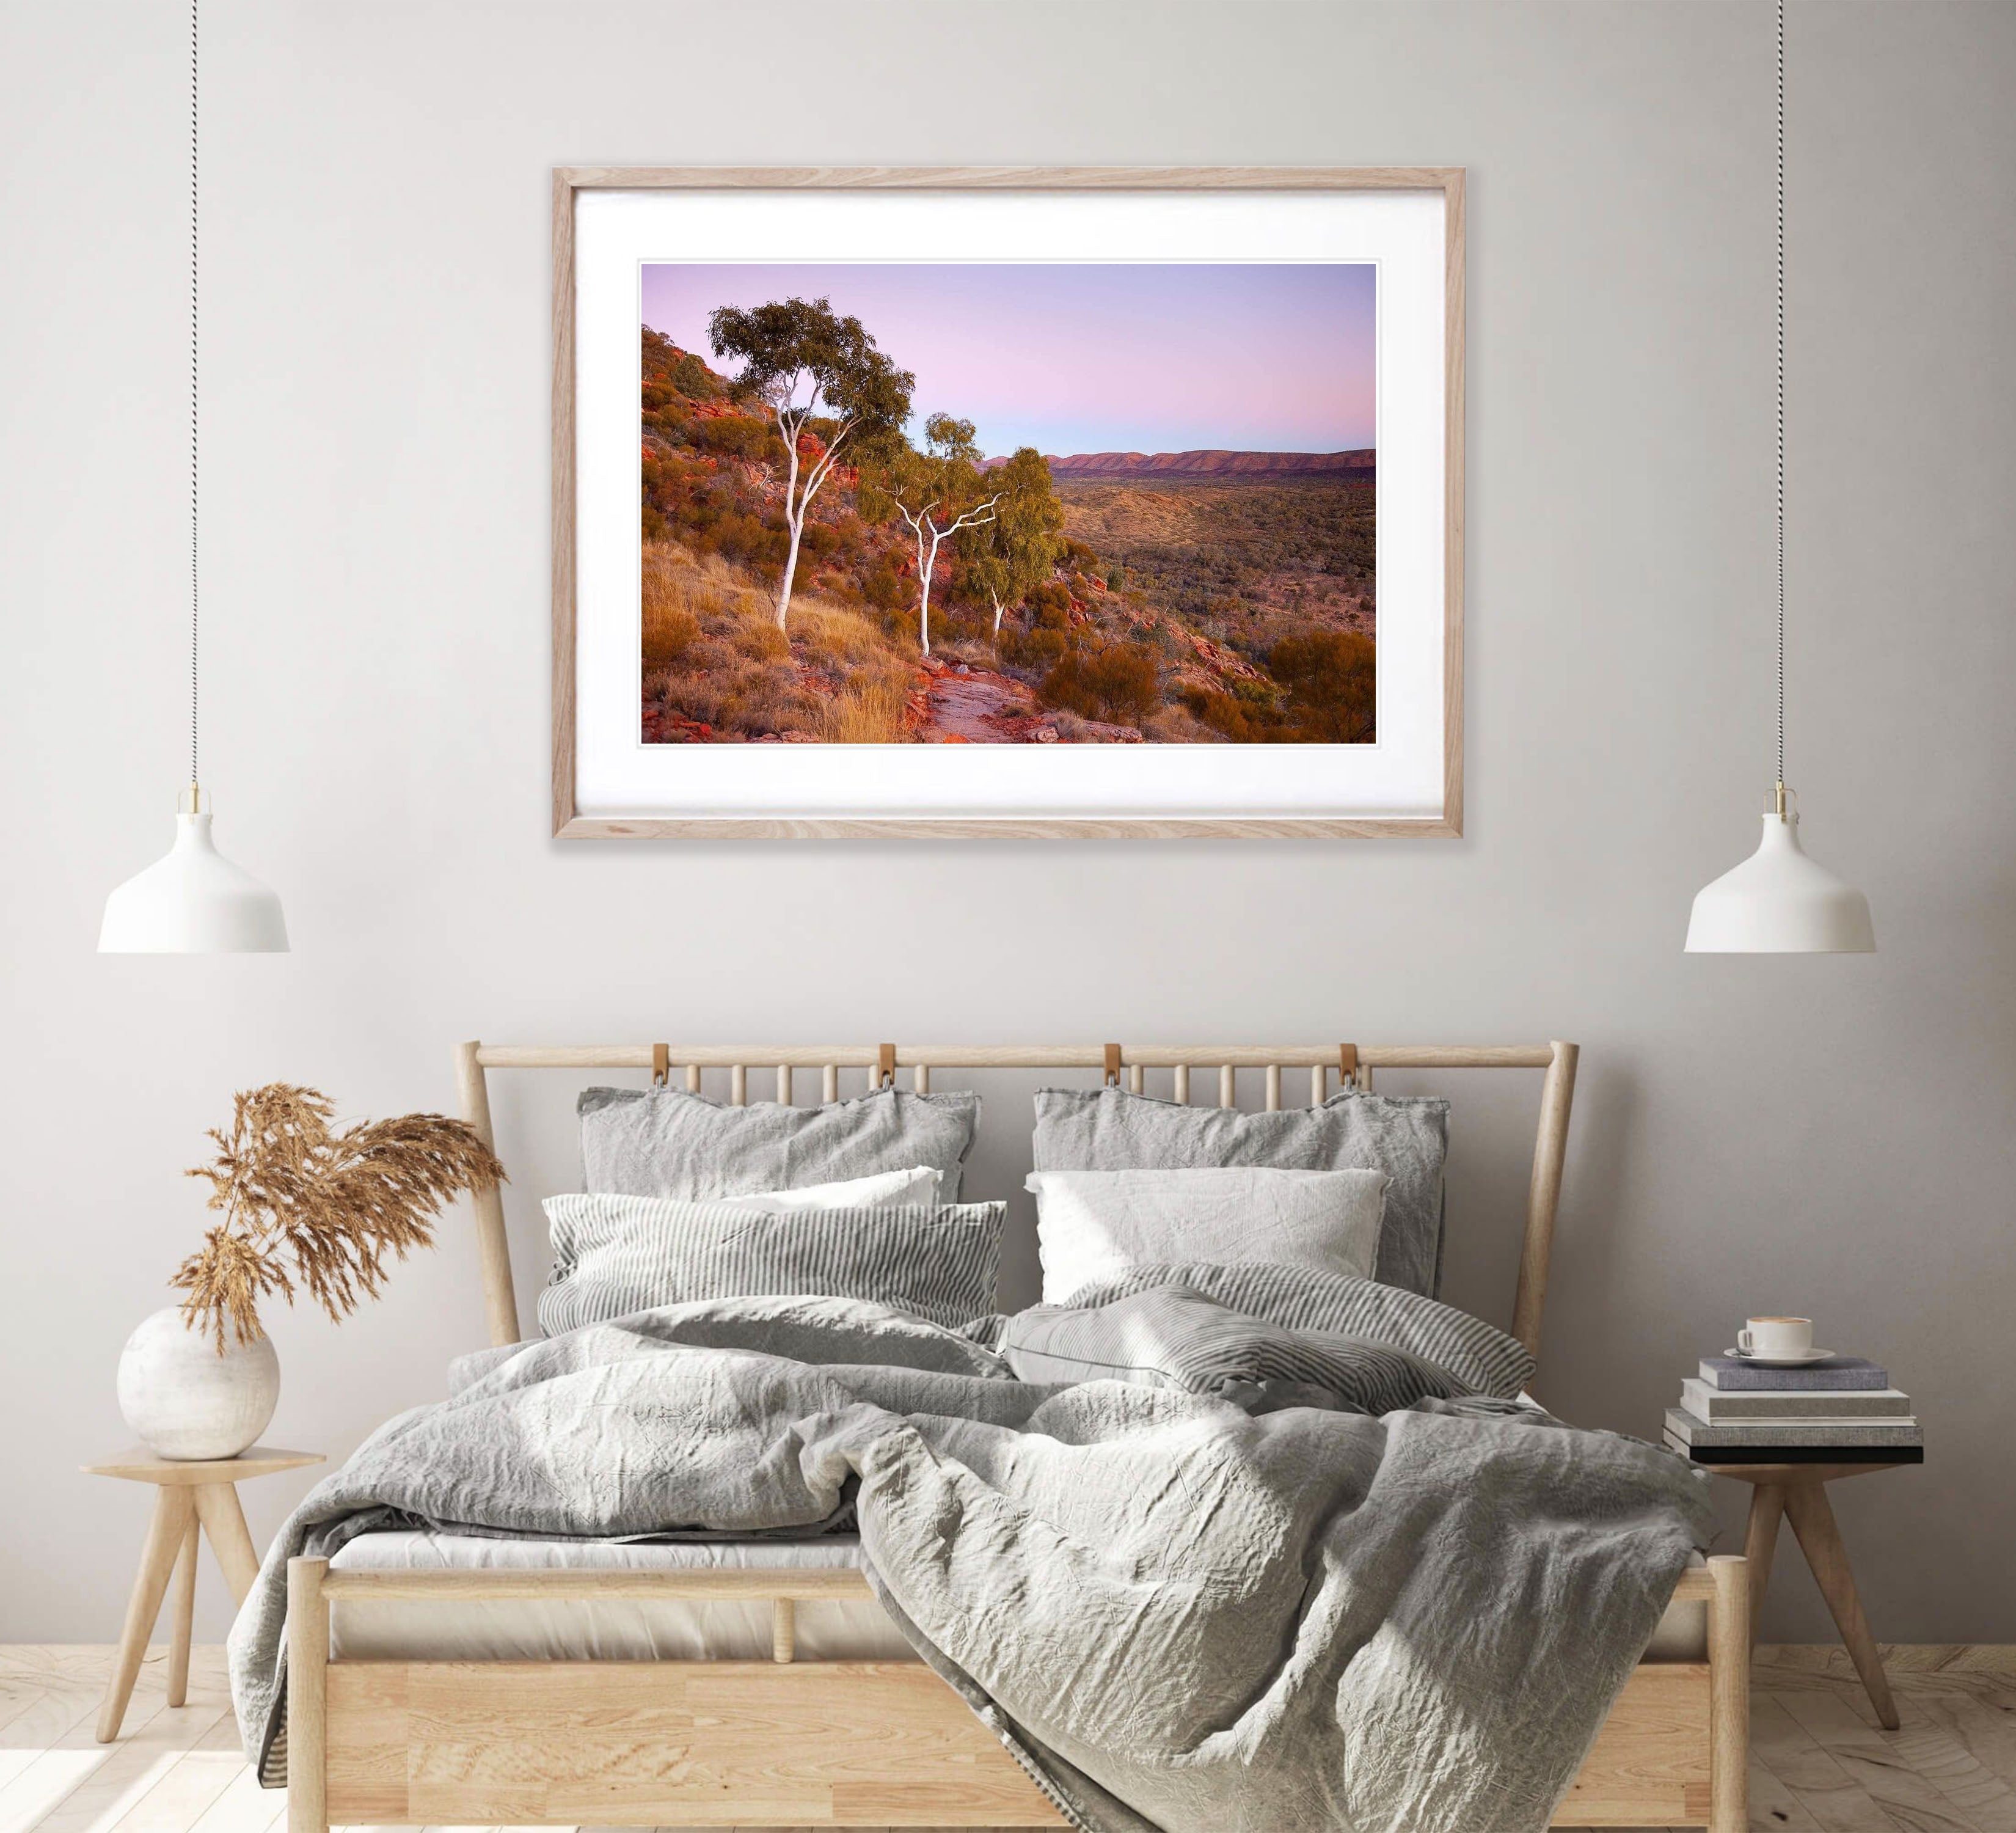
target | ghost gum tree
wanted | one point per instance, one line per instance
(939, 492)
(1009, 557)
(827, 387)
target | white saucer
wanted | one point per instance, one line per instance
(1810, 1357)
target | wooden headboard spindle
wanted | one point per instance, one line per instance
(1355, 1066)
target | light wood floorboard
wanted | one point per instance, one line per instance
(1820, 1763)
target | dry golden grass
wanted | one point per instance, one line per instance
(869, 711)
(679, 596)
(761, 641)
(712, 651)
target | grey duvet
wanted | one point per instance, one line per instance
(1176, 1612)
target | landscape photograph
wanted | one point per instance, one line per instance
(1009, 503)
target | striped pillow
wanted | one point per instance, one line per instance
(1481, 1357)
(1171, 1336)
(612, 1255)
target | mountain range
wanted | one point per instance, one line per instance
(1211, 464)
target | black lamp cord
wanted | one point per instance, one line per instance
(194, 599)
(1781, 393)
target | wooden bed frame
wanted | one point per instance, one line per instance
(861, 1744)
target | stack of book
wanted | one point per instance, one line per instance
(1843, 1410)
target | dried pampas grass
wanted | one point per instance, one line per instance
(304, 1204)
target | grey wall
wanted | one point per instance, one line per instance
(1833, 1134)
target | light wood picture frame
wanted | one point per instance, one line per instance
(601, 787)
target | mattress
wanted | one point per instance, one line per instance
(670, 1629)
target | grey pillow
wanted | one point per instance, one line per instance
(1172, 1337)
(666, 1143)
(612, 1255)
(1325, 1309)
(1406, 1136)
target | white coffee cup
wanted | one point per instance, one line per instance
(1772, 1338)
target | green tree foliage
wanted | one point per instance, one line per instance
(826, 386)
(939, 492)
(1009, 557)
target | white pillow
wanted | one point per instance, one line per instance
(886, 1190)
(1095, 1225)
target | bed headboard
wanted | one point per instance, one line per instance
(1353, 1064)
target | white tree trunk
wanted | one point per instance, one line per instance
(797, 523)
(929, 534)
(927, 565)
(996, 597)
(797, 504)
(794, 511)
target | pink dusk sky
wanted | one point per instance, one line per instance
(1073, 357)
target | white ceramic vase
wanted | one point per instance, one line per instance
(186, 1401)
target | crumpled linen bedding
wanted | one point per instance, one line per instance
(1175, 1613)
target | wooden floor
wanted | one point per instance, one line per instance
(1821, 1765)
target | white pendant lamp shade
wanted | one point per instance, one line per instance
(1778, 902)
(192, 901)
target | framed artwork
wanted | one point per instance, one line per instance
(970, 502)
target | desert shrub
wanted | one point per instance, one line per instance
(882, 587)
(1049, 606)
(693, 379)
(1330, 676)
(744, 540)
(1243, 715)
(730, 436)
(962, 626)
(1116, 577)
(1032, 648)
(1116, 683)
(669, 420)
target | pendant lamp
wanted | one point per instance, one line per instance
(194, 901)
(1778, 901)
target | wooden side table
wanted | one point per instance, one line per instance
(190, 1498)
(1797, 1492)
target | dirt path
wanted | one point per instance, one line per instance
(980, 708)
